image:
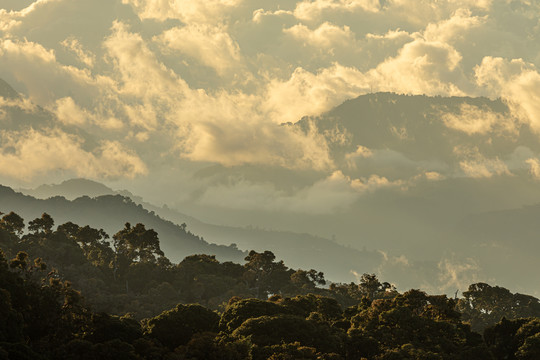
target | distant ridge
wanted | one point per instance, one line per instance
(111, 212)
(70, 189)
(297, 250)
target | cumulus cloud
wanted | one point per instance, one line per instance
(307, 93)
(421, 67)
(25, 155)
(455, 28)
(517, 82)
(148, 76)
(325, 36)
(36, 69)
(210, 45)
(11, 19)
(187, 11)
(310, 10)
(534, 167)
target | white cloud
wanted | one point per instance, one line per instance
(474, 120)
(328, 195)
(534, 167)
(84, 56)
(325, 36)
(455, 28)
(210, 45)
(12, 19)
(188, 11)
(457, 274)
(421, 67)
(475, 165)
(70, 113)
(307, 93)
(310, 10)
(517, 82)
(24, 156)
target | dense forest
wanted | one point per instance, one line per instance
(74, 292)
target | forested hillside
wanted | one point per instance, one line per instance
(111, 212)
(71, 291)
(298, 249)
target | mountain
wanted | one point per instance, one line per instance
(407, 171)
(401, 134)
(300, 250)
(111, 212)
(70, 189)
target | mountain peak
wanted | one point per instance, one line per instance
(71, 189)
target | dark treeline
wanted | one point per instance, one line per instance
(76, 293)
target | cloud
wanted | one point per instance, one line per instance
(457, 274)
(455, 28)
(474, 120)
(433, 176)
(475, 165)
(210, 45)
(260, 14)
(328, 195)
(26, 155)
(517, 82)
(421, 67)
(187, 11)
(310, 10)
(12, 19)
(306, 93)
(325, 36)
(534, 167)
(22, 103)
(84, 56)
(69, 113)
(36, 69)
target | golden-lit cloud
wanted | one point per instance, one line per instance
(534, 167)
(421, 67)
(209, 44)
(518, 82)
(148, 70)
(474, 120)
(310, 10)
(84, 56)
(187, 11)
(335, 192)
(26, 155)
(475, 165)
(325, 36)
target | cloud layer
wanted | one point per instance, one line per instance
(216, 78)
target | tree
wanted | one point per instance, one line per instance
(175, 327)
(484, 305)
(92, 241)
(137, 243)
(264, 274)
(42, 225)
(12, 223)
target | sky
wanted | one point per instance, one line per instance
(183, 101)
(207, 81)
